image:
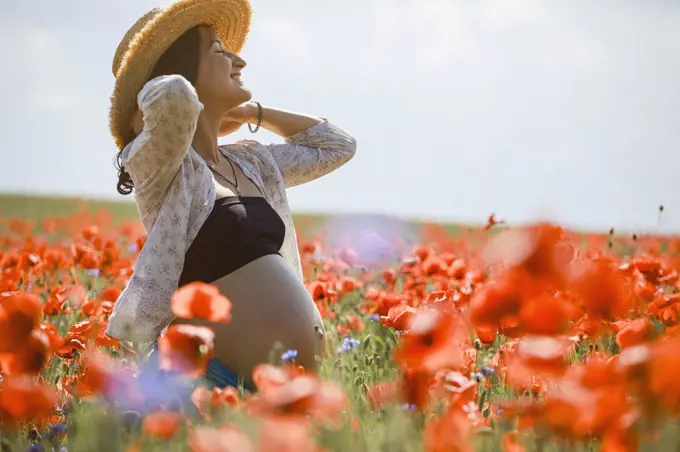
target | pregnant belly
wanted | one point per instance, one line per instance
(270, 308)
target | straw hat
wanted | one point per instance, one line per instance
(147, 40)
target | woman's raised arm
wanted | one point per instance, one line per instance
(314, 147)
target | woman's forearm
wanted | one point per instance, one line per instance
(285, 123)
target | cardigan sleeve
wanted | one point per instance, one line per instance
(312, 153)
(170, 108)
(143, 308)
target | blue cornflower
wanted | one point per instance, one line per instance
(289, 354)
(487, 371)
(133, 248)
(93, 272)
(56, 430)
(348, 344)
(375, 317)
(408, 407)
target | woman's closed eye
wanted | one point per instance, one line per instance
(220, 49)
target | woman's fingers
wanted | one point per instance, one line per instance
(229, 126)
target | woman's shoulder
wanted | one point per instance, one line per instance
(251, 147)
(249, 150)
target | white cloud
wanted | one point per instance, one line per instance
(283, 34)
(443, 20)
(512, 12)
(45, 68)
(41, 41)
(432, 29)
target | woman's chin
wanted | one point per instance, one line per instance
(238, 89)
(241, 95)
(247, 95)
(236, 96)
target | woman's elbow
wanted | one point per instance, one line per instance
(339, 142)
(171, 90)
(350, 147)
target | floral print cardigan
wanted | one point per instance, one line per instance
(174, 192)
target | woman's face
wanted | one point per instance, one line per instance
(219, 73)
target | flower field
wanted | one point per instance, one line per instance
(531, 338)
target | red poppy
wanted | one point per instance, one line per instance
(201, 300)
(433, 342)
(162, 424)
(20, 312)
(186, 349)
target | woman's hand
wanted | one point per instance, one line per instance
(236, 117)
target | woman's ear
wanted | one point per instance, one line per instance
(137, 122)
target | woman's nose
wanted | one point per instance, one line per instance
(237, 61)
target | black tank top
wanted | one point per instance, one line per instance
(237, 231)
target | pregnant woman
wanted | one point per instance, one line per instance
(217, 214)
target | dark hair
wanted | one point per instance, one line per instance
(181, 59)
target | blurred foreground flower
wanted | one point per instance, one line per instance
(201, 300)
(186, 349)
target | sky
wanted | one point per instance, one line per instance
(563, 110)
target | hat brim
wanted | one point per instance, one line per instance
(229, 18)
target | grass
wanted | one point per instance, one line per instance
(37, 208)
(361, 356)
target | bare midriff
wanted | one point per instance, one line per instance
(270, 307)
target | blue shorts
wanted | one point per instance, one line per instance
(220, 376)
(217, 375)
(162, 388)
